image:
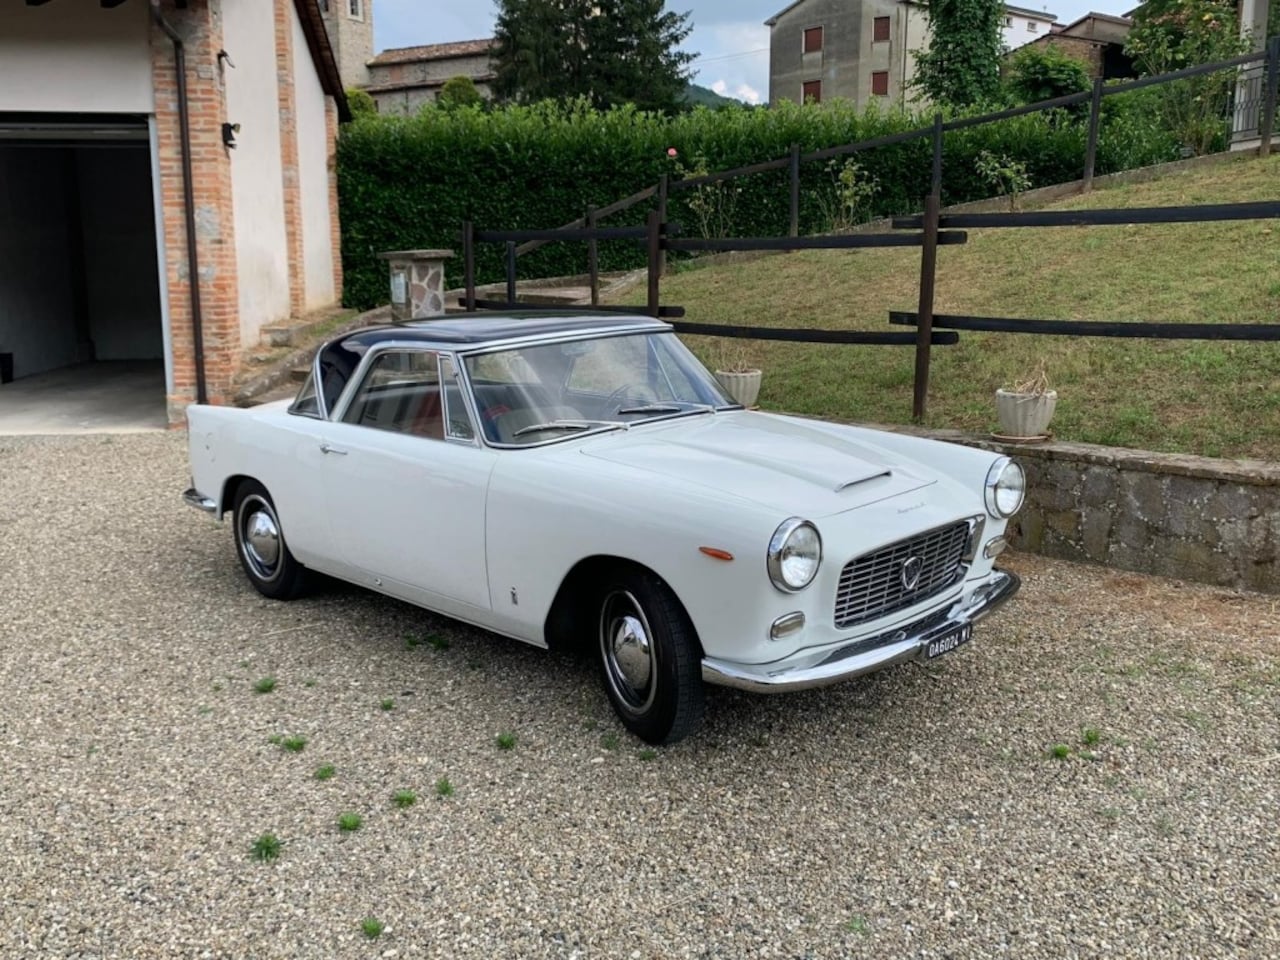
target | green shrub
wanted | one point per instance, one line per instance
(410, 182)
(361, 103)
(1033, 74)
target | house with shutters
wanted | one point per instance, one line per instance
(862, 50)
(166, 191)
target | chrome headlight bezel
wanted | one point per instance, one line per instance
(1004, 478)
(777, 554)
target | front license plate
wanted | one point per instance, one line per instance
(947, 643)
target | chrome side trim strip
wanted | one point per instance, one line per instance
(808, 670)
(194, 498)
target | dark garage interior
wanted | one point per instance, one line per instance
(81, 335)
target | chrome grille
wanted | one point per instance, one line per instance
(872, 586)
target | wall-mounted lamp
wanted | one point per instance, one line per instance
(229, 131)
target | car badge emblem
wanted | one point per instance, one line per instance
(910, 573)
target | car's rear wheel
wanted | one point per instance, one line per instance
(649, 657)
(260, 544)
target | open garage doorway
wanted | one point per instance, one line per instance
(82, 341)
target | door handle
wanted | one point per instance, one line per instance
(325, 448)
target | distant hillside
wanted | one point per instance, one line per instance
(697, 96)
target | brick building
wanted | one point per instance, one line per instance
(404, 78)
(1097, 41)
(128, 128)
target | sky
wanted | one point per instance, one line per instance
(729, 36)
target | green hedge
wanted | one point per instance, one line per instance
(410, 182)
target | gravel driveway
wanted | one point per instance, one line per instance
(921, 812)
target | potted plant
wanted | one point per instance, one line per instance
(1025, 408)
(737, 374)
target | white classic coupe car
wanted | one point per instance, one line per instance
(585, 479)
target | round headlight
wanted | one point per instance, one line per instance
(795, 553)
(1006, 487)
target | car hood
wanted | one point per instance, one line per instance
(771, 461)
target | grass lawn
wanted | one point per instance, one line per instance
(1219, 399)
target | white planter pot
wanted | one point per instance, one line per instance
(744, 387)
(1025, 414)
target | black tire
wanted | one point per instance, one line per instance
(260, 545)
(649, 657)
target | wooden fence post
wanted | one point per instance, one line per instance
(511, 272)
(654, 227)
(928, 275)
(1268, 121)
(1091, 147)
(593, 258)
(795, 190)
(663, 191)
(469, 265)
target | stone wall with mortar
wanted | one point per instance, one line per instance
(1174, 515)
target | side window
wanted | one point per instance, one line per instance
(401, 393)
(457, 421)
(307, 403)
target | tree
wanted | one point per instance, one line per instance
(361, 103)
(459, 92)
(961, 66)
(1034, 74)
(608, 51)
(1169, 35)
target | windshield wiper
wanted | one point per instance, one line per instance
(652, 408)
(568, 425)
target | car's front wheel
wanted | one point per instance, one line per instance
(260, 544)
(649, 657)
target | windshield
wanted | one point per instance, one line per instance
(551, 391)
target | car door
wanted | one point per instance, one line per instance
(405, 482)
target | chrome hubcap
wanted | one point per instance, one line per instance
(627, 648)
(260, 537)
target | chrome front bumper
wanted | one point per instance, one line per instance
(858, 657)
(194, 498)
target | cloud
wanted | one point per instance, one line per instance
(747, 92)
(720, 87)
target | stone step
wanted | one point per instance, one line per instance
(283, 334)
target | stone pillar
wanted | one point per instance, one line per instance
(1251, 79)
(417, 283)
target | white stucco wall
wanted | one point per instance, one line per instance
(313, 173)
(257, 185)
(1015, 32)
(75, 56)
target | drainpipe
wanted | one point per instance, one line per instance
(188, 195)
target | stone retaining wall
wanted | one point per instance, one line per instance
(1196, 518)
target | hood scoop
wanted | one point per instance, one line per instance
(863, 479)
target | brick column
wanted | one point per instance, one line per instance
(200, 26)
(289, 156)
(335, 220)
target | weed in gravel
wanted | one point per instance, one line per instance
(610, 741)
(388, 704)
(276, 739)
(217, 687)
(404, 798)
(411, 641)
(505, 740)
(294, 744)
(444, 788)
(1111, 814)
(265, 685)
(1164, 825)
(325, 772)
(1091, 736)
(204, 710)
(1060, 751)
(308, 683)
(648, 754)
(438, 641)
(350, 822)
(590, 723)
(372, 927)
(266, 847)
(1195, 719)
(245, 664)
(858, 925)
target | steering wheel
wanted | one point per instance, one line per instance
(614, 400)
